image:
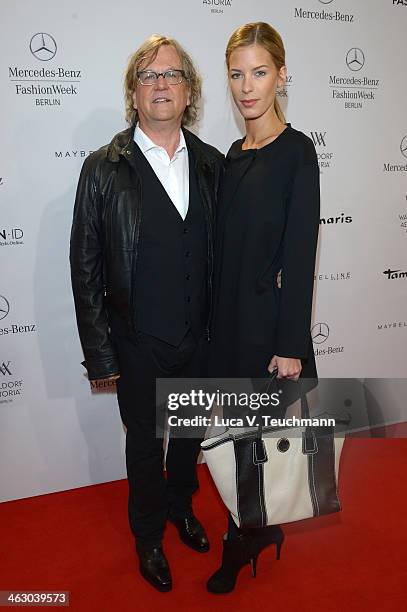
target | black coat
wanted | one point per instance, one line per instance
(105, 236)
(268, 220)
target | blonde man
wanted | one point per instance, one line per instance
(141, 261)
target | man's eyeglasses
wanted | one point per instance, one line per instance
(172, 77)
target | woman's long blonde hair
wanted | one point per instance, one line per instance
(263, 34)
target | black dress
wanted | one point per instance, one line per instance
(268, 220)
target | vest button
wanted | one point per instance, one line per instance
(187, 253)
(188, 298)
(188, 277)
(185, 230)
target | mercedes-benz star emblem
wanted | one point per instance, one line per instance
(403, 146)
(319, 333)
(4, 307)
(355, 59)
(43, 46)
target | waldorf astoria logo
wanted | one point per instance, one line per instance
(325, 156)
(354, 90)
(282, 92)
(217, 6)
(9, 389)
(329, 14)
(48, 85)
(401, 165)
(403, 220)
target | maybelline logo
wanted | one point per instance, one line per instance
(14, 328)
(392, 325)
(8, 388)
(324, 157)
(11, 236)
(338, 220)
(282, 92)
(320, 333)
(394, 274)
(71, 154)
(354, 90)
(398, 167)
(333, 276)
(47, 86)
(325, 15)
(217, 6)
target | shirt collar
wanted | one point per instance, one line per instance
(146, 144)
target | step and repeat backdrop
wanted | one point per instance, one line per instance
(61, 79)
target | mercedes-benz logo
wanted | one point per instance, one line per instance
(319, 333)
(4, 307)
(355, 59)
(403, 146)
(43, 46)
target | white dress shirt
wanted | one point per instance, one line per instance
(172, 173)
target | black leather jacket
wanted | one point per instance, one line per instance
(105, 235)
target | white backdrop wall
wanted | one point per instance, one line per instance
(61, 69)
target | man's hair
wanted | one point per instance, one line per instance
(147, 53)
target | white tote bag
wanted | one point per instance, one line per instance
(269, 476)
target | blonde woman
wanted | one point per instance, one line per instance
(267, 234)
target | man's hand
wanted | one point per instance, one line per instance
(288, 367)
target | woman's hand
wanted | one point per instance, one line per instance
(288, 367)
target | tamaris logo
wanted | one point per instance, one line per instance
(339, 220)
(395, 274)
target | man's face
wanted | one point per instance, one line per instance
(161, 102)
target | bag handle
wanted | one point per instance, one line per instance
(304, 405)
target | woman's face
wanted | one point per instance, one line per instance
(253, 80)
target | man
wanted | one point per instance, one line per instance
(141, 262)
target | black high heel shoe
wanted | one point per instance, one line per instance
(235, 555)
(244, 549)
(259, 538)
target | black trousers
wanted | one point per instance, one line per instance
(152, 497)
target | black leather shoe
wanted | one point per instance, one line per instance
(191, 532)
(155, 569)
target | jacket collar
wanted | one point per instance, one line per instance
(123, 144)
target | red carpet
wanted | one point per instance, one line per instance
(78, 541)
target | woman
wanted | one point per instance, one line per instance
(266, 242)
